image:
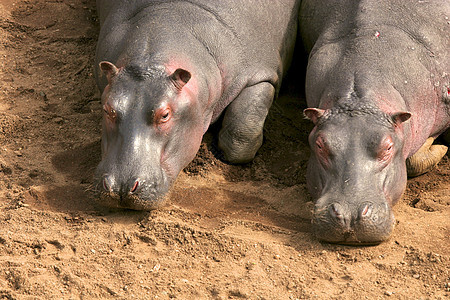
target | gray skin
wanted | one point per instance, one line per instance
(167, 70)
(377, 86)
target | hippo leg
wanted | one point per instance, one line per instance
(242, 127)
(425, 159)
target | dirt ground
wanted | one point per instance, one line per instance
(228, 232)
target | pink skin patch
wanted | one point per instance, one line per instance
(110, 115)
(390, 107)
(186, 96)
(163, 118)
(386, 151)
(190, 90)
(323, 152)
(365, 211)
(135, 186)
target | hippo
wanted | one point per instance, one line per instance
(169, 69)
(377, 90)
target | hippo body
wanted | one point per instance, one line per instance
(377, 86)
(167, 70)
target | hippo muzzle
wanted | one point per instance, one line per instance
(121, 189)
(152, 128)
(356, 172)
(338, 220)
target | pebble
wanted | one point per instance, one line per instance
(388, 293)
(156, 268)
(416, 276)
(58, 120)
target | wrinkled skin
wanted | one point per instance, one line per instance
(167, 70)
(377, 86)
(356, 175)
(134, 125)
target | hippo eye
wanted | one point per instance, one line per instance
(110, 112)
(320, 144)
(164, 115)
(322, 151)
(386, 150)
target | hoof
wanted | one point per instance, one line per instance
(425, 159)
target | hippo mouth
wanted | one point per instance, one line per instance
(350, 239)
(340, 223)
(133, 202)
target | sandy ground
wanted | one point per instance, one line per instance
(228, 232)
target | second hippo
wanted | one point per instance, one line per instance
(167, 70)
(377, 85)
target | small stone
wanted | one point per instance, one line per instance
(58, 120)
(156, 268)
(250, 266)
(416, 276)
(93, 251)
(388, 293)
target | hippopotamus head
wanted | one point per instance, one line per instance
(356, 171)
(152, 128)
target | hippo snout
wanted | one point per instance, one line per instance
(134, 193)
(346, 223)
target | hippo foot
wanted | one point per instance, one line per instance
(425, 159)
(242, 127)
(239, 152)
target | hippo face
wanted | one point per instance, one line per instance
(152, 128)
(356, 172)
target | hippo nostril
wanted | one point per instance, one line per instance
(135, 186)
(366, 210)
(106, 184)
(338, 213)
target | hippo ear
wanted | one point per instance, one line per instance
(313, 114)
(179, 78)
(400, 117)
(109, 69)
